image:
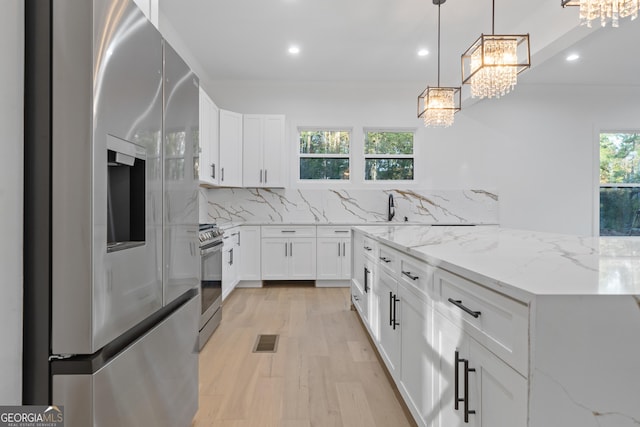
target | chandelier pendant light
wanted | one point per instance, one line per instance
(492, 64)
(436, 104)
(606, 10)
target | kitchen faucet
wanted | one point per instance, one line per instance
(392, 208)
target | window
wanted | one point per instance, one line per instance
(388, 156)
(619, 184)
(324, 154)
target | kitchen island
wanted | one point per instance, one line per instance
(489, 326)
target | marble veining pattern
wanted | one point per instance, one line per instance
(261, 205)
(534, 262)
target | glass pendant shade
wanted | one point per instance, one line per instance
(606, 10)
(437, 105)
(492, 64)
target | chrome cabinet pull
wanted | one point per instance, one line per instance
(341, 231)
(222, 178)
(338, 249)
(265, 176)
(458, 303)
(410, 276)
(287, 231)
(213, 171)
(367, 248)
(291, 249)
(260, 176)
(344, 249)
(385, 259)
(285, 249)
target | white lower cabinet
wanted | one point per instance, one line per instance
(489, 392)
(432, 348)
(275, 259)
(288, 253)
(334, 253)
(389, 324)
(230, 257)
(302, 259)
(250, 261)
(416, 376)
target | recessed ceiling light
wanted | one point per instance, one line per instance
(573, 57)
(294, 50)
(423, 52)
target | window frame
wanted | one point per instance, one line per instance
(365, 157)
(596, 179)
(348, 129)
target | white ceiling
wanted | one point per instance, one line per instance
(377, 40)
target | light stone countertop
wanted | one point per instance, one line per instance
(523, 263)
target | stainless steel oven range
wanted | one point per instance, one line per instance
(211, 283)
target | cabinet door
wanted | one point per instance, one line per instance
(275, 259)
(345, 270)
(447, 339)
(212, 168)
(230, 148)
(274, 151)
(208, 140)
(252, 149)
(329, 258)
(228, 270)
(302, 259)
(250, 260)
(389, 318)
(498, 394)
(371, 286)
(417, 367)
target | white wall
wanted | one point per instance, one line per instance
(357, 106)
(535, 146)
(11, 169)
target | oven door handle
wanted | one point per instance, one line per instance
(216, 247)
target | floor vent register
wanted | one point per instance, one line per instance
(266, 344)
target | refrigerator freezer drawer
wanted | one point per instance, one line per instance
(154, 382)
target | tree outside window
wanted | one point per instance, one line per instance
(388, 156)
(619, 184)
(324, 154)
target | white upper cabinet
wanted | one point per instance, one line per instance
(209, 141)
(230, 149)
(263, 150)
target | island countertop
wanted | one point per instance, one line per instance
(523, 263)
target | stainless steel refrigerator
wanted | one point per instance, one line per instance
(112, 263)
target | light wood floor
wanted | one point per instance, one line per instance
(323, 374)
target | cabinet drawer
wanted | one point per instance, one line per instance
(389, 259)
(496, 321)
(370, 248)
(291, 231)
(334, 231)
(418, 275)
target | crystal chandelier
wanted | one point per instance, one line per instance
(605, 10)
(492, 64)
(437, 105)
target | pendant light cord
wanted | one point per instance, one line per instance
(493, 18)
(439, 44)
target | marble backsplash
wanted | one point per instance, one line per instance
(266, 205)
